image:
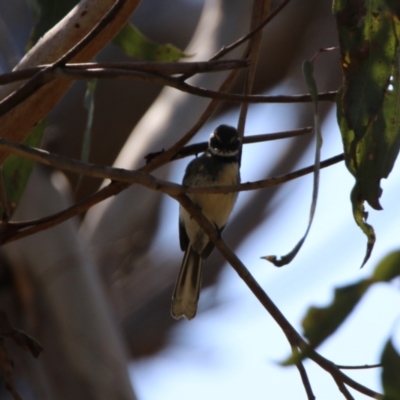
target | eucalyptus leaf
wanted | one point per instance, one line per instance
(308, 72)
(135, 44)
(390, 372)
(48, 13)
(388, 268)
(368, 106)
(320, 322)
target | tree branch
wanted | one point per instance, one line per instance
(304, 376)
(49, 73)
(197, 148)
(290, 332)
(145, 179)
(121, 179)
(359, 366)
(166, 68)
(342, 387)
(260, 11)
(225, 50)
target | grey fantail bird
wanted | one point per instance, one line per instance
(218, 166)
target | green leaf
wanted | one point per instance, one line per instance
(16, 170)
(320, 322)
(368, 35)
(48, 13)
(390, 372)
(388, 268)
(308, 72)
(368, 105)
(135, 44)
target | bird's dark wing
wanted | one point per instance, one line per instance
(210, 245)
(183, 237)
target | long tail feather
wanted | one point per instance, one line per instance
(187, 288)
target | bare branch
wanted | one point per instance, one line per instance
(267, 20)
(359, 366)
(48, 74)
(330, 367)
(304, 376)
(121, 180)
(259, 12)
(145, 179)
(177, 83)
(342, 387)
(290, 332)
(172, 68)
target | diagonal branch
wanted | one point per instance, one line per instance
(303, 376)
(225, 50)
(290, 332)
(259, 12)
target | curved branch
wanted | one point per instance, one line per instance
(49, 74)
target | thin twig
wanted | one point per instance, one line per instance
(197, 148)
(176, 83)
(47, 74)
(330, 367)
(359, 366)
(271, 16)
(172, 68)
(304, 376)
(260, 11)
(342, 387)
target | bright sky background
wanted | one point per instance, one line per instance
(232, 351)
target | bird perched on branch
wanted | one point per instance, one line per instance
(218, 166)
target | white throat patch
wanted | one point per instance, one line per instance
(220, 153)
